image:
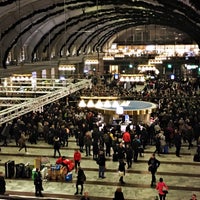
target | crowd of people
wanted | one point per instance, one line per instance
(176, 120)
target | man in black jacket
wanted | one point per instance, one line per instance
(2, 184)
(81, 178)
(153, 165)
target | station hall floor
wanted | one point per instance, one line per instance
(181, 174)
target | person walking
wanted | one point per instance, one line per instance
(77, 159)
(81, 178)
(38, 184)
(121, 170)
(22, 141)
(56, 146)
(129, 156)
(162, 189)
(118, 194)
(101, 161)
(153, 165)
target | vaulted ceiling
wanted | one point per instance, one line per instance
(85, 26)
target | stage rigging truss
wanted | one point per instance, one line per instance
(20, 100)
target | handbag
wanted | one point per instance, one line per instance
(164, 190)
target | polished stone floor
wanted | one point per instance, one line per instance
(181, 174)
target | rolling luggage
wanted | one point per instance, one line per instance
(9, 169)
(166, 149)
(19, 170)
(27, 172)
(68, 177)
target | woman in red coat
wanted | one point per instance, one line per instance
(77, 159)
(162, 189)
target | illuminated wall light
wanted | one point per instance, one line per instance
(82, 104)
(90, 104)
(91, 61)
(119, 55)
(108, 58)
(66, 68)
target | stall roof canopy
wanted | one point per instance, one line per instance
(87, 25)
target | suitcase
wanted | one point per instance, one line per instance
(9, 169)
(27, 172)
(68, 177)
(115, 157)
(166, 149)
(19, 170)
(196, 158)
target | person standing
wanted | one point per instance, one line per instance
(153, 165)
(118, 194)
(22, 141)
(38, 184)
(162, 189)
(121, 170)
(6, 133)
(177, 141)
(157, 144)
(81, 178)
(121, 151)
(88, 143)
(136, 144)
(77, 159)
(101, 161)
(56, 146)
(2, 184)
(126, 138)
(129, 156)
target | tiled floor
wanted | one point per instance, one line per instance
(181, 174)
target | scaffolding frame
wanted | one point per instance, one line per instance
(37, 103)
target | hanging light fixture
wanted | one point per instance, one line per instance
(99, 104)
(90, 104)
(82, 104)
(107, 104)
(115, 104)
